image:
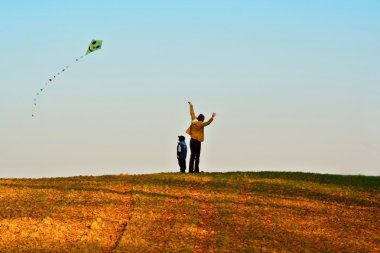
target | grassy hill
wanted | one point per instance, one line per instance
(207, 212)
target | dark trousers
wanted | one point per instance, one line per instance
(195, 148)
(182, 165)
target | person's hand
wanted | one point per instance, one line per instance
(190, 103)
(213, 115)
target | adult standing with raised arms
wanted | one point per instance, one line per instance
(196, 131)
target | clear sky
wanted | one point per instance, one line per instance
(296, 85)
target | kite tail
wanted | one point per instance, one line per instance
(50, 82)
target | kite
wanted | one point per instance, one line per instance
(94, 45)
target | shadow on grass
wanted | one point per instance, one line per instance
(366, 183)
(37, 208)
(232, 183)
(64, 188)
(286, 191)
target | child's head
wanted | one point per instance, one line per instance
(181, 138)
(201, 117)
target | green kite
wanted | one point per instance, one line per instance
(94, 45)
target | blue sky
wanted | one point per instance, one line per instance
(295, 85)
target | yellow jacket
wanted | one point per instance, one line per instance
(196, 129)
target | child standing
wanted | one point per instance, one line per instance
(182, 153)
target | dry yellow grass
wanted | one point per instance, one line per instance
(207, 212)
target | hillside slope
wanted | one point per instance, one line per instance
(228, 212)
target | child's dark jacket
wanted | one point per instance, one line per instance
(181, 150)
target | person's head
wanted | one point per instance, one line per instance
(201, 117)
(181, 138)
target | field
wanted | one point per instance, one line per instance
(206, 212)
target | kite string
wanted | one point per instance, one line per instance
(51, 79)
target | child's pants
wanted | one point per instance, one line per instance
(182, 165)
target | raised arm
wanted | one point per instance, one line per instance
(208, 122)
(192, 114)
